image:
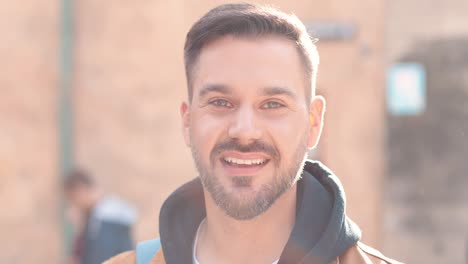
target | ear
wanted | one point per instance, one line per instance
(316, 115)
(185, 115)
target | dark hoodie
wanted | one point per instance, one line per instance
(321, 233)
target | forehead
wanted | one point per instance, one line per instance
(250, 63)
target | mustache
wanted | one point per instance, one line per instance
(255, 146)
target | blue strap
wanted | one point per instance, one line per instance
(146, 250)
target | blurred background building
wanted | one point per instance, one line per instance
(99, 83)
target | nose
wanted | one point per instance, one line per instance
(245, 127)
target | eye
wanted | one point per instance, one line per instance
(272, 105)
(221, 103)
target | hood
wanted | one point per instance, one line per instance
(115, 210)
(322, 230)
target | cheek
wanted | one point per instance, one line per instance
(205, 130)
(287, 134)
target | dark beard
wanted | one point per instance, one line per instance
(247, 208)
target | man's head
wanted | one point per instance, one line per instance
(250, 21)
(252, 113)
(80, 189)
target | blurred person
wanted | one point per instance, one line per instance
(103, 224)
(250, 119)
(75, 218)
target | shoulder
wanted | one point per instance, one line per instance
(361, 253)
(123, 258)
(130, 257)
(114, 210)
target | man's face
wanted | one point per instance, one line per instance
(249, 123)
(78, 198)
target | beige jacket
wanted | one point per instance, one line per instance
(359, 254)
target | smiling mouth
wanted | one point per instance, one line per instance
(243, 167)
(244, 162)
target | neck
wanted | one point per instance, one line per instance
(93, 198)
(260, 240)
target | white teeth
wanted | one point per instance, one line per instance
(244, 162)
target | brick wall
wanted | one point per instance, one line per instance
(28, 144)
(426, 210)
(128, 85)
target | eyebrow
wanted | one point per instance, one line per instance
(267, 91)
(276, 90)
(213, 88)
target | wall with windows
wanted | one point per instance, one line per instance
(426, 210)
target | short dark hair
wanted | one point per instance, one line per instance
(250, 20)
(77, 178)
